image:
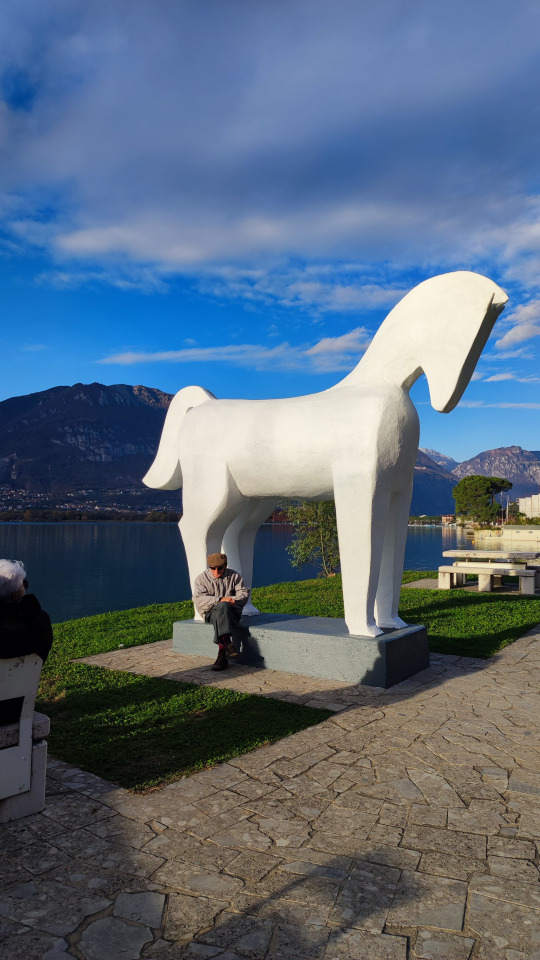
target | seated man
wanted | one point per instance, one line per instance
(219, 595)
(24, 626)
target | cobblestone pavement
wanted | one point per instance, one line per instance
(405, 827)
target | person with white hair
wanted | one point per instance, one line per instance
(24, 626)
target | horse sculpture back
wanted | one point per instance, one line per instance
(356, 442)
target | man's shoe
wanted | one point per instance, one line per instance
(231, 650)
(221, 663)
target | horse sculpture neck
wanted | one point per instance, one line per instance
(440, 328)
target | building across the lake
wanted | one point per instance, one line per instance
(530, 506)
(510, 535)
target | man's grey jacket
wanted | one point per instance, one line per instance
(209, 590)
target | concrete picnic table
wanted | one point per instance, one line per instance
(490, 565)
(515, 556)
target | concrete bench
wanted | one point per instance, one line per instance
(488, 575)
(535, 565)
(23, 747)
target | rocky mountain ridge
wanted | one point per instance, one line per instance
(521, 467)
(447, 463)
(91, 444)
(90, 441)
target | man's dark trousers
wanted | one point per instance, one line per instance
(224, 617)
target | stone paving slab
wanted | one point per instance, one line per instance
(405, 827)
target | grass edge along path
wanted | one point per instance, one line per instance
(143, 732)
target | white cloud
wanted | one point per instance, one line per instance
(336, 353)
(331, 354)
(522, 353)
(525, 321)
(135, 278)
(34, 347)
(313, 288)
(511, 376)
(180, 242)
(475, 404)
(341, 131)
(519, 333)
(354, 340)
(34, 232)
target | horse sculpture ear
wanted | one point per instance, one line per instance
(464, 323)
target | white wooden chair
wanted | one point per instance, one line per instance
(23, 748)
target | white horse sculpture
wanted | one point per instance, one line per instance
(356, 442)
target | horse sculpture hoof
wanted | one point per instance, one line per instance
(394, 623)
(367, 630)
(249, 610)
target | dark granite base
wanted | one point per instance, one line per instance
(315, 647)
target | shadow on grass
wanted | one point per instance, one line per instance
(139, 731)
(144, 732)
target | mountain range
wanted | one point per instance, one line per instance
(89, 445)
(86, 445)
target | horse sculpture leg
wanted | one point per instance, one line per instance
(389, 588)
(361, 511)
(239, 541)
(209, 507)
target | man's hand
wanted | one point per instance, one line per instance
(226, 600)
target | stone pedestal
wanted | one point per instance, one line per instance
(315, 647)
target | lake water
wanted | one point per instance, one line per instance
(77, 569)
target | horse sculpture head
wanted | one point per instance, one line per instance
(465, 321)
(439, 328)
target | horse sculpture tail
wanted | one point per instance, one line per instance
(166, 472)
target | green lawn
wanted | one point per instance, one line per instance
(468, 624)
(142, 732)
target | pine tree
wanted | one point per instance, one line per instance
(474, 497)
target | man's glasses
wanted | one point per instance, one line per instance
(222, 567)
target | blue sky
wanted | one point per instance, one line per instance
(235, 194)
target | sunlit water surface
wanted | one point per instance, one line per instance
(77, 569)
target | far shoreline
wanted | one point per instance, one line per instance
(74, 517)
